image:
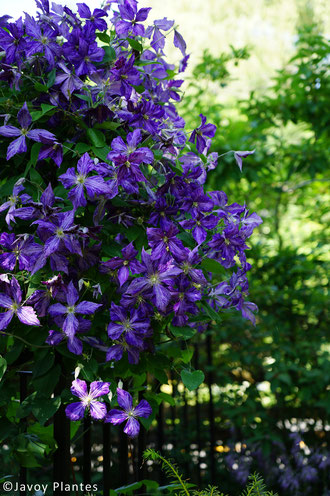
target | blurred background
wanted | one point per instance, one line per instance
(259, 70)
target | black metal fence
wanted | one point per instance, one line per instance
(101, 453)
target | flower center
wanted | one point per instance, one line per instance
(59, 233)
(87, 400)
(80, 179)
(127, 325)
(154, 279)
(14, 307)
(186, 267)
(125, 262)
(70, 309)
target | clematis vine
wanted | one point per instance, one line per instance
(107, 227)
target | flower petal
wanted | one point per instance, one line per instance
(143, 409)
(79, 388)
(5, 301)
(28, 316)
(87, 307)
(124, 399)
(99, 388)
(5, 319)
(116, 417)
(75, 411)
(70, 325)
(98, 410)
(132, 427)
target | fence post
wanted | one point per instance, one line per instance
(198, 421)
(141, 446)
(123, 458)
(23, 381)
(210, 381)
(87, 450)
(61, 467)
(106, 458)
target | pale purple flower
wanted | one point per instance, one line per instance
(19, 144)
(88, 400)
(128, 413)
(14, 306)
(71, 323)
(239, 155)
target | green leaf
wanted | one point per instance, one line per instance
(82, 148)
(101, 153)
(183, 332)
(42, 366)
(3, 367)
(112, 125)
(186, 355)
(42, 88)
(36, 178)
(26, 406)
(43, 408)
(167, 397)
(136, 45)
(96, 137)
(103, 37)
(192, 379)
(213, 266)
(109, 54)
(51, 78)
(45, 108)
(211, 312)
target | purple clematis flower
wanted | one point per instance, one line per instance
(116, 352)
(199, 134)
(123, 265)
(94, 19)
(21, 251)
(128, 158)
(14, 305)
(94, 185)
(12, 40)
(199, 225)
(158, 39)
(132, 327)
(68, 81)
(155, 280)
(43, 40)
(197, 202)
(130, 152)
(19, 145)
(125, 401)
(88, 400)
(227, 244)
(13, 204)
(53, 150)
(61, 233)
(123, 76)
(83, 51)
(239, 155)
(130, 19)
(164, 242)
(71, 323)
